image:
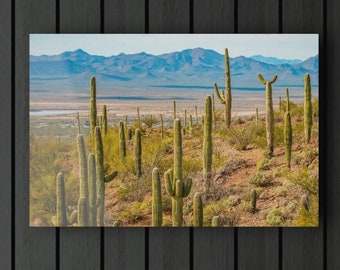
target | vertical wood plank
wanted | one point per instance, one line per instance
(169, 248)
(34, 247)
(80, 247)
(258, 248)
(255, 17)
(124, 248)
(169, 16)
(333, 131)
(213, 16)
(6, 134)
(124, 16)
(305, 16)
(213, 248)
(79, 17)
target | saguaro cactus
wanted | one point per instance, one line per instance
(83, 173)
(288, 133)
(156, 199)
(138, 153)
(61, 202)
(225, 98)
(207, 140)
(196, 115)
(93, 110)
(253, 198)
(92, 190)
(176, 188)
(83, 217)
(256, 116)
(101, 179)
(139, 124)
(308, 113)
(198, 210)
(122, 141)
(78, 122)
(269, 112)
(104, 120)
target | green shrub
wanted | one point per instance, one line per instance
(240, 137)
(260, 179)
(275, 217)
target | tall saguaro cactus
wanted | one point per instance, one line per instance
(156, 199)
(253, 199)
(61, 201)
(138, 153)
(83, 172)
(288, 134)
(176, 188)
(100, 177)
(198, 210)
(308, 113)
(93, 110)
(207, 140)
(269, 112)
(225, 97)
(122, 141)
(92, 190)
(104, 120)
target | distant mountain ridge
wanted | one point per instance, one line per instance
(190, 67)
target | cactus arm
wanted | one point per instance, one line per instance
(261, 79)
(110, 177)
(168, 184)
(273, 79)
(187, 188)
(218, 95)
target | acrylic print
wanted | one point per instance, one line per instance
(171, 130)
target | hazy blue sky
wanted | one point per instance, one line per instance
(288, 46)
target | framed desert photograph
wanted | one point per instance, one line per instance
(174, 130)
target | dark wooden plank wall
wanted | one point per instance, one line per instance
(22, 247)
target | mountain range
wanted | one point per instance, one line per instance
(190, 68)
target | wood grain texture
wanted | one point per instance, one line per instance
(169, 249)
(80, 247)
(124, 16)
(34, 247)
(305, 16)
(258, 248)
(79, 17)
(169, 16)
(333, 131)
(213, 248)
(6, 134)
(258, 17)
(215, 16)
(125, 248)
